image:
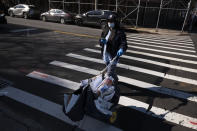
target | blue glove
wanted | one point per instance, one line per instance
(104, 41)
(104, 88)
(120, 52)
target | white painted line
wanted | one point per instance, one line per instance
(167, 115)
(22, 30)
(131, 81)
(153, 55)
(162, 51)
(3, 93)
(162, 39)
(54, 80)
(163, 36)
(137, 43)
(151, 62)
(160, 43)
(55, 110)
(189, 41)
(138, 69)
(163, 57)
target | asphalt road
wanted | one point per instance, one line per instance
(152, 64)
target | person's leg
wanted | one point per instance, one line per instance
(106, 56)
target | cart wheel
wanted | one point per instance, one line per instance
(113, 118)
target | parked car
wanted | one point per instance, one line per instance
(57, 15)
(95, 17)
(25, 11)
(3, 20)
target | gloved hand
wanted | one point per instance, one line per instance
(104, 41)
(103, 88)
(120, 52)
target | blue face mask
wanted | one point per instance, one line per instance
(111, 25)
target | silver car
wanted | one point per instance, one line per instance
(57, 15)
(25, 11)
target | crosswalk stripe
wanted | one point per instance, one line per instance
(137, 43)
(162, 39)
(154, 55)
(189, 42)
(160, 113)
(158, 42)
(162, 51)
(55, 110)
(53, 80)
(141, 70)
(162, 36)
(167, 115)
(131, 81)
(163, 57)
(150, 62)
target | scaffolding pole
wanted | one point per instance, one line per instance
(63, 4)
(79, 7)
(186, 16)
(96, 2)
(145, 11)
(49, 4)
(137, 14)
(159, 16)
(116, 5)
(134, 9)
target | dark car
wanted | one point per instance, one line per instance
(2, 17)
(57, 15)
(25, 11)
(95, 17)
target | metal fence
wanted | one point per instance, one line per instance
(144, 13)
(172, 14)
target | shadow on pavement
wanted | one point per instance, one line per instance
(132, 120)
(13, 29)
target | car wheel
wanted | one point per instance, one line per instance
(11, 14)
(103, 24)
(79, 22)
(43, 18)
(62, 21)
(25, 16)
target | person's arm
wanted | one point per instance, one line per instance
(123, 41)
(102, 37)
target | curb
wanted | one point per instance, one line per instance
(151, 31)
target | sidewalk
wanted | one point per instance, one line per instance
(153, 31)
